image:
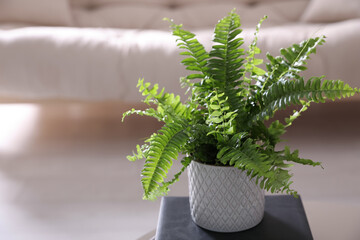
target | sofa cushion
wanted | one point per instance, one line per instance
(119, 16)
(331, 10)
(40, 12)
(105, 64)
(197, 16)
(193, 16)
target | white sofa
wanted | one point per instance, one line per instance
(97, 49)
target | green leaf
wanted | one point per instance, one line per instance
(163, 148)
(258, 71)
(214, 107)
(285, 93)
(196, 51)
(169, 105)
(294, 157)
(258, 62)
(291, 62)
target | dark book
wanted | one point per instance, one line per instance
(284, 219)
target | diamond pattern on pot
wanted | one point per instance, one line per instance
(224, 199)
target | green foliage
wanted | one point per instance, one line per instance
(228, 117)
(198, 57)
(164, 147)
(285, 93)
(292, 61)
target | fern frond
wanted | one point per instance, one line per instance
(245, 156)
(292, 61)
(294, 157)
(278, 181)
(278, 177)
(163, 189)
(224, 65)
(282, 94)
(296, 55)
(296, 114)
(197, 55)
(141, 152)
(251, 62)
(225, 62)
(150, 112)
(270, 173)
(275, 130)
(163, 148)
(220, 117)
(271, 135)
(169, 106)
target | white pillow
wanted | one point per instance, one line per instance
(41, 12)
(331, 10)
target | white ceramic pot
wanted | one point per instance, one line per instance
(224, 199)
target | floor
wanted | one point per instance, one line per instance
(64, 175)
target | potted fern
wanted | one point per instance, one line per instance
(225, 128)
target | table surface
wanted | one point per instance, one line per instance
(284, 218)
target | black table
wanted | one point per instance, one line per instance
(284, 219)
